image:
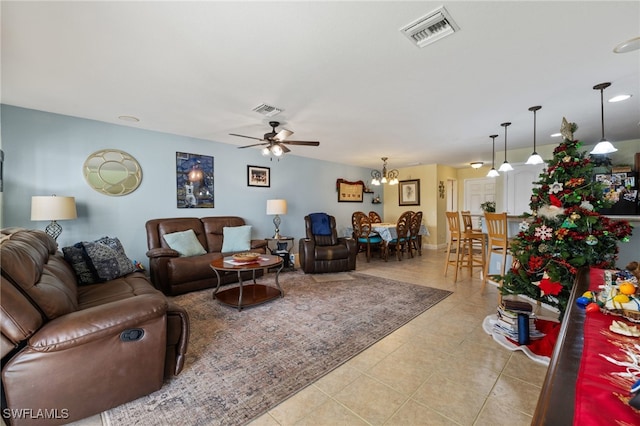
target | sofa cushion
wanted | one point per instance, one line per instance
(108, 258)
(81, 263)
(29, 260)
(236, 238)
(185, 242)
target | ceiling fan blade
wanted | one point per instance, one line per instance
(283, 134)
(307, 143)
(255, 144)
(284, 148)
(248, 137)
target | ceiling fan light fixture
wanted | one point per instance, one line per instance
(277, 150)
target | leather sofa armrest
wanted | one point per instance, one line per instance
(162, 252)
(259, 244)
(91, 324)
(306, 253)
(177, 338)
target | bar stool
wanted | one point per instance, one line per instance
(498, 243)
(469, 247)
(453, 220)
(467, 221)
(473, 251)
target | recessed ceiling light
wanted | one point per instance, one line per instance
(619, 98)
(129, 118)
(628, 46)
(555, 135)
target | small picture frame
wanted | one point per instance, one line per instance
(409, 192)
(258, 176)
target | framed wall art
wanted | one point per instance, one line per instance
(409, 192)
(194, 181)
(258, 176)
(349, 192)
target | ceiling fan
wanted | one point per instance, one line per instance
(275, 142)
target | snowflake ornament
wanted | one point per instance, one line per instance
(524, 226)
(544, 232)
(555, 187)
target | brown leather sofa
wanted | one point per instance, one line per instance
(69, 351)
(176, 275)
(326, 253)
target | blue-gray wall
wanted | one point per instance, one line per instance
(44, 154)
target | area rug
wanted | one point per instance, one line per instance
(539, 350)
(241, 364)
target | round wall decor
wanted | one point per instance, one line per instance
(112, 172)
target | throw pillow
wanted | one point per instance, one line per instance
(236, 238)
(320, 224)
(81, 263)
(185, 242)
(108, 258)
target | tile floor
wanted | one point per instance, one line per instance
(439, 369)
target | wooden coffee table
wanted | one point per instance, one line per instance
(251, 294)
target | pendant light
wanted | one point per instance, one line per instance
(604, 146)
(505, 167)
(535, 157)
(493, 172)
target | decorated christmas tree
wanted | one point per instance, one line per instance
(565, 231)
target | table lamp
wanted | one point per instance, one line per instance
(276, 207)
(53, 208)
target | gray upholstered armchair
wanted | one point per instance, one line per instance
(322, 251)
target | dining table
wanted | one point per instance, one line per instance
(388, 231)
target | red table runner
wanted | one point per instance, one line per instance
(601, 395)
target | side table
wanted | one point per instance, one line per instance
(281, 247)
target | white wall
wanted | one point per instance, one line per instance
(44, 154)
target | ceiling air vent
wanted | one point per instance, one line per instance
(430, 28)
(267, 110)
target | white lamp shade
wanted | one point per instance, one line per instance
(493, 173)
(53, 208)
(276, 206)
(604, 147)
(506, 167)
(534, 159)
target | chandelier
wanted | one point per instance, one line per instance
(390, 176)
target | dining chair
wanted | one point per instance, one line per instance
(401, 242)
(498, 243)
(415, 239)
(364, 236)
(375, 217)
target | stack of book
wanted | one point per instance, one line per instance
(507, 320)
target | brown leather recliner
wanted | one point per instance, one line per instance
(326, 253)
(69, 351)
